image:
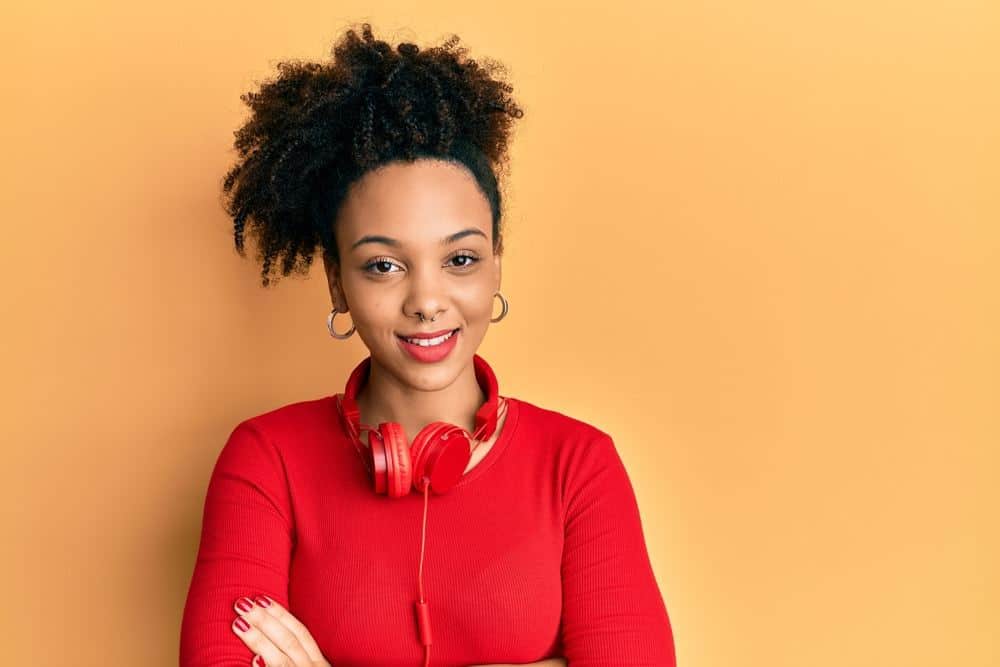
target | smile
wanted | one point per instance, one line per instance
(427, 342)
(429, 350)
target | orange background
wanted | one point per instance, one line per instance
(757, 242)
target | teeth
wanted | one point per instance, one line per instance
(428, 342)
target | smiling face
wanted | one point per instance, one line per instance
(416, 238)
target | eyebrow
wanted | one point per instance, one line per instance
(451, 238)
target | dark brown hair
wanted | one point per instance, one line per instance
(315, 128)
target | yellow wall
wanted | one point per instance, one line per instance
(755, 241)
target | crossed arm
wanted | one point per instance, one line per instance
(611, 603)
(551, 662)
(272, 632)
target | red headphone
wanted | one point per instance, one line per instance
(439, 454)
(436, 461)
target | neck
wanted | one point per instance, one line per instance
(383, 398)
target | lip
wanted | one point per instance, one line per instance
(434, 353)
(433, 334)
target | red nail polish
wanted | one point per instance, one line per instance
(244, 604)
(241, 623)
(263, 601)
(259, 661)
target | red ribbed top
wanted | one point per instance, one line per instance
(537, 552)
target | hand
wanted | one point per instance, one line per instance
(276, 637)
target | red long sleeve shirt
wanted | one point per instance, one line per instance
(537, 552)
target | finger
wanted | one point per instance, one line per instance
(289, 621)
(257, 642)
(268, 637)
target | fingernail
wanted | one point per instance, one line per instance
(241, 623)
(259, 661)
(263, 601)
(244, 605)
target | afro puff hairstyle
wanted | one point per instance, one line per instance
(316, 128)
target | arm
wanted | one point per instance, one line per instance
(551, 662)
(246, 544)
(613, 612)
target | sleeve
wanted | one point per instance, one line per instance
(245, 548)
(613, 611)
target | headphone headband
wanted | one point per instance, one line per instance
(486, 415)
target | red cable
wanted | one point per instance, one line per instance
(423, 611)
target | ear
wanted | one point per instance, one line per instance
(498, 266)
(332, 270)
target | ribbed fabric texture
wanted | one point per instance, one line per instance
(537, 552)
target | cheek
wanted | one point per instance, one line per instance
(378, 314)
(368, 303)
(366, 321)
(373, 308)
(478, 305)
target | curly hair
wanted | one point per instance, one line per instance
(316, 128)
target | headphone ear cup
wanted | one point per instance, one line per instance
(398, 467)
(441, 452)
(379, 466)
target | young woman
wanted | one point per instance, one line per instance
(419, 516)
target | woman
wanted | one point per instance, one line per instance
(419, 516)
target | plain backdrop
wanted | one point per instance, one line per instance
(755, 241)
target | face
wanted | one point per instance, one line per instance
(434, 256)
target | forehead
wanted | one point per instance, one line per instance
(418, 203)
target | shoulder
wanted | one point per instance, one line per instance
(583, 458)
(284, 426)
(560, 432)
(556, 423)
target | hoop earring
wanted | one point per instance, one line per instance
(329, 326)
(503, 302)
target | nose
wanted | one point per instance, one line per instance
(425, 296)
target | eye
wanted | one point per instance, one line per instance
(465, 255)
(379, 261)
(374, 267)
